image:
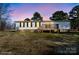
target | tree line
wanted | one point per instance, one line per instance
(4, 16)
(72, 16)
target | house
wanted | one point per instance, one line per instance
(43, 25)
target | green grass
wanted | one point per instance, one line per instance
(32, 43)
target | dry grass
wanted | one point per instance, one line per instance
(32, 43)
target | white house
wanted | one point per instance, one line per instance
(32, 25)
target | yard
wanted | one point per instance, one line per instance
(29, 43)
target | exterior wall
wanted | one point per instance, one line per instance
(62, 25)
(47, 22)
(17, 26)
(38, 24)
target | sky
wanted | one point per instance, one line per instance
(26, 10)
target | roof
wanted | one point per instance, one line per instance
(46, 21)
(28, 21)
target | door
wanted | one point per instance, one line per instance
(57, 26)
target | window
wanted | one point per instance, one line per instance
(23, 24)
(20, 24)
(45, 26)
(27, 24)
(35, 24)
(31, 24)
(57, 26)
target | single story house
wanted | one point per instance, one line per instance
(32, 25)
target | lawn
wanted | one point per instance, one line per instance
(29, 43)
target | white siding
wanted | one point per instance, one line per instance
(21, 24)
(62, 25)
(33, 24)
(17, 24)
(29, 24)
(25, 25)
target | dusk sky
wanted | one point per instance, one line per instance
(26, 10)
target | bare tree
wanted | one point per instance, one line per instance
(4, 14)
